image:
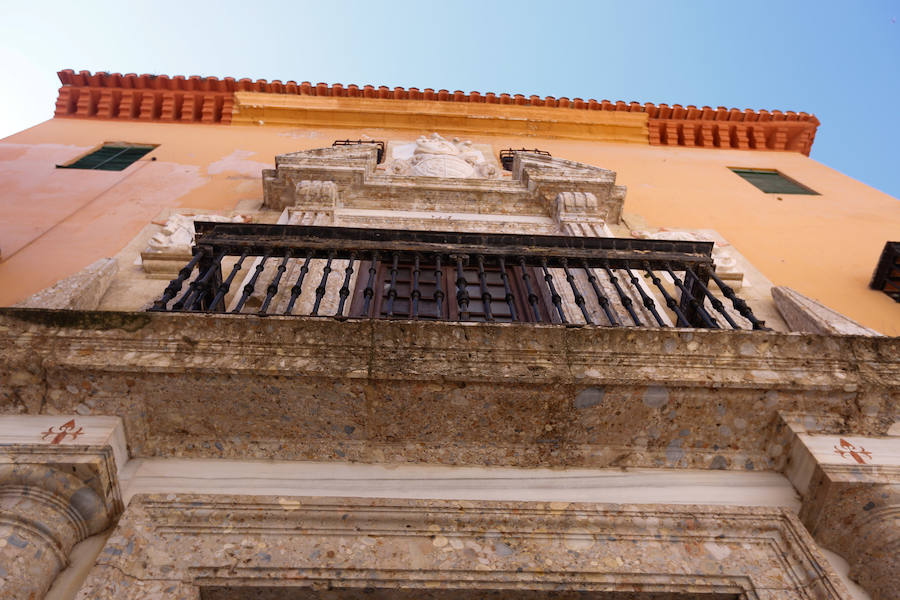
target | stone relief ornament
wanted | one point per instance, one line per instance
(172, 244)
(177, 235)
(435, 156)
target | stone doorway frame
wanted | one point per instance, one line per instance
(176, 545)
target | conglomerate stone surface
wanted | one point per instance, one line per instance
(450, 393)
(215, 547)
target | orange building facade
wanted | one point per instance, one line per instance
(214, 137)
(551, 348)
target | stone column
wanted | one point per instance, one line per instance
(861, 522)
(54, 493)
(851, 499)
(43, 514)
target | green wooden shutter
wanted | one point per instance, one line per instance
(773, 182)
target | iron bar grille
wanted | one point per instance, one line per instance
(507, 156)
(378, 143)
(346, 272)
(887, 274)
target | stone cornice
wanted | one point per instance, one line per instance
(212, 100)
(251, 108)
(94, 466)
(120, 341)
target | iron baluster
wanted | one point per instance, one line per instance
(626, 301)
(716, 303)
(579, 299)
(555, 298)
(211, 278)
(438, 291)
(272, 289)
(226, 285)
(192, 286)
(532, 297)
(392, 288)
(369, 292)
(648, 302)
(323, 285)
(297, 288)
(199, 288)
(485, 294)
(506, 290)
(694, 303)
(251, 285)
(601, 297)
(175, 285)
(415, 294)
(462, 292)
(199, 285)
(344, 292)
(739, 304)
(671, 302)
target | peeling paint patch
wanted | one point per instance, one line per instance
(237, 162)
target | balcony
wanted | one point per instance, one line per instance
(346, 273)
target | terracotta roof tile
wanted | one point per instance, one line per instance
(210, 100)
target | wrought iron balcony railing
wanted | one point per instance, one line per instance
(378, 273)
(509, 155)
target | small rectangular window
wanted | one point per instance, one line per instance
(887, 273)
(110, 157)
(771, 181)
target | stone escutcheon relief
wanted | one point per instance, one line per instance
(435, 156)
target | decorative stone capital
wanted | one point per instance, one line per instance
(54, 493)
(578, 207)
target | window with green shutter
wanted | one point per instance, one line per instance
(771, 181)
(111, 157)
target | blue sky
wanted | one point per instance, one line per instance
(838, 60)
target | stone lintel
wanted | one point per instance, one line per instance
(182, 546)
(446, 393)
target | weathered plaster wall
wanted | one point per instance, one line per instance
(824, 246)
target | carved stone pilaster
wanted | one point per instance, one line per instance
(861, 522)
(851, 497)
(44, 512)
(54, 493)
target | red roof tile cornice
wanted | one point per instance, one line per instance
(211, 100)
